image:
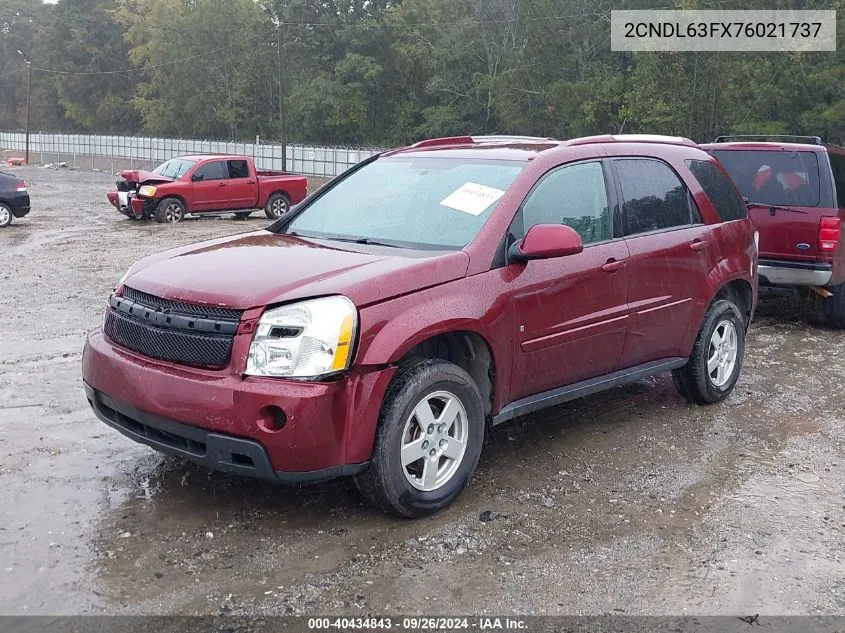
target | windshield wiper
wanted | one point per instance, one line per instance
(774, 208)
(337, 238)
(362, 240)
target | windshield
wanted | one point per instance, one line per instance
(775, 178)
(410, 201)
(174, 168)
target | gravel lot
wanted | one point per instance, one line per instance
(628, 502)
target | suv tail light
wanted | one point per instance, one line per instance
(829, 232)
(21, 186)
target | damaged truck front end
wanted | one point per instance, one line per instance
(133, 195)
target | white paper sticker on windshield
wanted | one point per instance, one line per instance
(472, 198)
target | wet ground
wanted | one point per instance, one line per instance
(628, 502)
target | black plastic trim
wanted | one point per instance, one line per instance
(169, 319)
(586, 387)
(781, 263)
(217, 451)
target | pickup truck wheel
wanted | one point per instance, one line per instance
(170, 211)
(5, 216)
(834, 307)
(429, 437)
(716, 359)
(277, 205)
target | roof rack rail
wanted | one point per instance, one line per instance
(445, 140)
(786, 138)
(632, 138)
(469, 140)
(509, 138)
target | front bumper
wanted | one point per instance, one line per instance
(775, 272)
(224, 421)
(127, 203)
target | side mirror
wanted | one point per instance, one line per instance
(196, 178)
(544, 241)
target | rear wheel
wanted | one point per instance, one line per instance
(716, 359)
(834, 307)
(5, 216)
(277, 205)
(428, 441)
(170, 211)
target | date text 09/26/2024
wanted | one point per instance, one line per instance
(417, 623)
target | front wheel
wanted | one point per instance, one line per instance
(277, 205)
(428, 441)
(5, 216)
(170, 211)
(834, 307)
(716, 359)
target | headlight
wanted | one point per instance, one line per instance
(148, 191)
(304, 340)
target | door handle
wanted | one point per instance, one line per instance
(250, 182)
(698, 245)
(221, 184)
(612, 265)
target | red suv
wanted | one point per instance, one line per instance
(377, 328)
(795, 188)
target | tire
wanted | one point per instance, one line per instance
(5, 215)
(242, 215)
(170, 211)
(387, 482)
(834, 307)
(277, 205)
(694, 381)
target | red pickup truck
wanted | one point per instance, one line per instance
(206, 184)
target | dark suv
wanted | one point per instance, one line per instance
(795, 187)
(376, 329)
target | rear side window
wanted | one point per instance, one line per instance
(719, 189)
(654, 198)
(837, 162)
(574, 195)
(210, 171)
(238, 169)
(781, 178)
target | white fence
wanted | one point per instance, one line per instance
(304, 159)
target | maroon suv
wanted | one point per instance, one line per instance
(376, 329)
(795, 187)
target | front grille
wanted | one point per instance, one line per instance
(200, 310)
(184, 333)
(202, 350)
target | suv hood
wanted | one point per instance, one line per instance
(139, 175)
(263, 268)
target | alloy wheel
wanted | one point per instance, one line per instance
(434, 441)
(722, 353)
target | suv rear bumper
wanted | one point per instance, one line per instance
(776, 272)
(222, 420)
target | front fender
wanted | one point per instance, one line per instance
(480, 304)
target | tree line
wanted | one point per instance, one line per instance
(389, 72)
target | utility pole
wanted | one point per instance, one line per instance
(28, 94)
(281, 100)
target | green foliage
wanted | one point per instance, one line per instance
(380, 72)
